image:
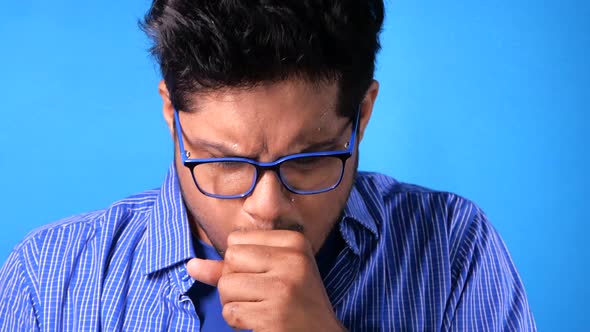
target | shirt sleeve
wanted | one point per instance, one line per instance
(16, 308)
(487, 293)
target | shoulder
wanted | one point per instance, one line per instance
(68, 237)
(449, 239)
(419, 214)
(389, 195)
(411, 210)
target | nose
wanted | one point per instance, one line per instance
(269, 203)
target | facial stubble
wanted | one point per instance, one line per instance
(194, 219)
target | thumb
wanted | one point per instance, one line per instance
(205, 270)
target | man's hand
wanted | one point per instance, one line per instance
(269, 281)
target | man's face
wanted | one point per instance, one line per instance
(265, 123)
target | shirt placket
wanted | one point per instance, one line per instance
(184, 317)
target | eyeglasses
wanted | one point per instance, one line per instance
(236, 177)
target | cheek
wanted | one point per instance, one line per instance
(214, 219)
(321, 212)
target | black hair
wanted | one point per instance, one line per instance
(205, 45)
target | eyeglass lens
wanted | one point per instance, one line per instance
(305, 174)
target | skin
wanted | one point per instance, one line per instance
(268, 278)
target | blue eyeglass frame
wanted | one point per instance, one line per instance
(274, 166)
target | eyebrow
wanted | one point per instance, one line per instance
(226, 151)
(223, 149)
(322, 146)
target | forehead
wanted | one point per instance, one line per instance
(257, 99)
(271, 118)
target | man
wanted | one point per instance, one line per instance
(263, 222)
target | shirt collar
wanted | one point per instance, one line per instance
(168, 237)
(358, 223)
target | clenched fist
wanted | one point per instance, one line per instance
(269, 281)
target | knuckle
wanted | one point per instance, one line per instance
(298, 259)
(300, 265)
(230, 254)
(233, 238)
(223, 284)
(230, 313)
(284, 287)
(298, 241)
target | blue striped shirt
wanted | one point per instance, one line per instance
(413, 260)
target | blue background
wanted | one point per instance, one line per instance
(489, 100)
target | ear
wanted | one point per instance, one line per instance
(367, 107)
(167, 107)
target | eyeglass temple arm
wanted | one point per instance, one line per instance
(179, 136)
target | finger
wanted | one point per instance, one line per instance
(246, 315)
(247, 258)
(205, 270)
(272, 238)
(243, 287)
